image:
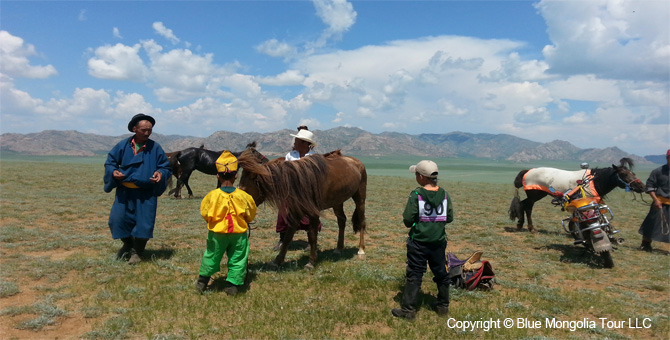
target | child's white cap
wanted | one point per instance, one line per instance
(425, 168)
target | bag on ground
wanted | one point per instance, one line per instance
(471, 273)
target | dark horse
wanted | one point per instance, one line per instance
(186, 161)
(540, 182)
(305, 187)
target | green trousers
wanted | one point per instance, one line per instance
(236, 248)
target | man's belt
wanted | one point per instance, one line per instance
(130, 185)
(664, 200)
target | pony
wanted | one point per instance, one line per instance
(540, 182)
(305, 187)
(186, 161)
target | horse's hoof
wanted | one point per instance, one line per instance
(361, 252)
(309, 266)
(532, 229)
(272, 266)
(519, 227)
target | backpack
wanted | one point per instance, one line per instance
(471, 273)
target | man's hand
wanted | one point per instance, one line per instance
(118, 175)
(156, 177)
(655, 201)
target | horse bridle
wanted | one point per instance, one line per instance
(627, 185)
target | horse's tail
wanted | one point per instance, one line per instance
(518, 181)
(176, 167)
(515, 209)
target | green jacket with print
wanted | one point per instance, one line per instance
(426, 214)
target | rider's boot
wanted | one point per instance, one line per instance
(410, 298)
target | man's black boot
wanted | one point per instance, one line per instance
(138, 249)
(124, 252)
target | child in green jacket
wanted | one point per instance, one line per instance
(427, 212)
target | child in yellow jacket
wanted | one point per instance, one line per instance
(228, 211)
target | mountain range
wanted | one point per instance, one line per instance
(352, 141)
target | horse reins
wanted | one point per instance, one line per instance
(627, 185)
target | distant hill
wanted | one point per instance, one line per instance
(658, 159)
(351, 141)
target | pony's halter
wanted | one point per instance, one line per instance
(627, 185)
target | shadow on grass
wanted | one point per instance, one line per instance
(329, 255)
(538, 231)
(162, 253)
(425, 301)
(578, 254)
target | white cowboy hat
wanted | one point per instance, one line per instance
(305, 135)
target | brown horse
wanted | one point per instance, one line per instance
(305, 187)
(540, 182)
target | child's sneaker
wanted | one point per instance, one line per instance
(230, 289)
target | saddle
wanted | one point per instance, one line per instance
(470, 273)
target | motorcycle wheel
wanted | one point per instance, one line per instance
(607, 259)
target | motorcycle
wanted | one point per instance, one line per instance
(589, 223)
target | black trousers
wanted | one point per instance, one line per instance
(420, 253)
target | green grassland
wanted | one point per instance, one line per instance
(59, 278)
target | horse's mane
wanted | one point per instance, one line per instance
(627, 162)
(295, 185)
(605, 176)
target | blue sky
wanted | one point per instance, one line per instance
(595, 73)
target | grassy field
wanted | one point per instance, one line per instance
(59, 278)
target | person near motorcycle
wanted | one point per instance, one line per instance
(656, 226)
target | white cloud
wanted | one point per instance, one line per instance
(116, 33)
(338, 117)
(311, 123)
(165, 32)
(118, 62)
(287, 78)
(275, 48)
(609, 38)
(82, 15)
(585, 87)
(14, 55)
(338, 15)
(577, 118)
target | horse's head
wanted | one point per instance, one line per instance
(626, 176)
(251, 161)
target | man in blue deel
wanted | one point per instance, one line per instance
(139, 170)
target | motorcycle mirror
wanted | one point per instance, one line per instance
(584, 165)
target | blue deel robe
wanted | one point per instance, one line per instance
(134, 210)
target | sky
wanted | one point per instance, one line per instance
(594, 73)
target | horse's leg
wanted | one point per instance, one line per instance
(184, 178)
(338, 210)
(358, 218)
(529, 212)
(279, 259)
(312, 235)
(533, 196)
(177, 188)
(190, 192)
(522, 215)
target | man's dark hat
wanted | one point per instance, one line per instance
(139, 117)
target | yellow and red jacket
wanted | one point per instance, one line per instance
(228, 213)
